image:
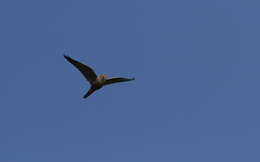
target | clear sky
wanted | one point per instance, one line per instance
(195, 97)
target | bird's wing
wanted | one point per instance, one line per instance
(90, 91)
(88, 73)
(116, 80)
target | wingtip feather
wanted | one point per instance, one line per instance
(66, 56)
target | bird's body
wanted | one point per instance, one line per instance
(100, 80)
(95, 81)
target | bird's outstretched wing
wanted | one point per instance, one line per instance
(88, 73)
(90, 91)
(116, 80)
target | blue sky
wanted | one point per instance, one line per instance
(195, 97)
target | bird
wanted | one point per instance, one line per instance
(95, 81)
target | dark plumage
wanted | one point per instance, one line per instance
(95, 81)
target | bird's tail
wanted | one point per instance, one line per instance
(90, 91)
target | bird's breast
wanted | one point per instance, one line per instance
(98, 83)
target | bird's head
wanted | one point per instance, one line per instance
(103, 76)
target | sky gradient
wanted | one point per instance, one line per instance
(195, 97)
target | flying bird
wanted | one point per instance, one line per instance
(90, 75)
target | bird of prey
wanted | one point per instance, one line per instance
(90, 75)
